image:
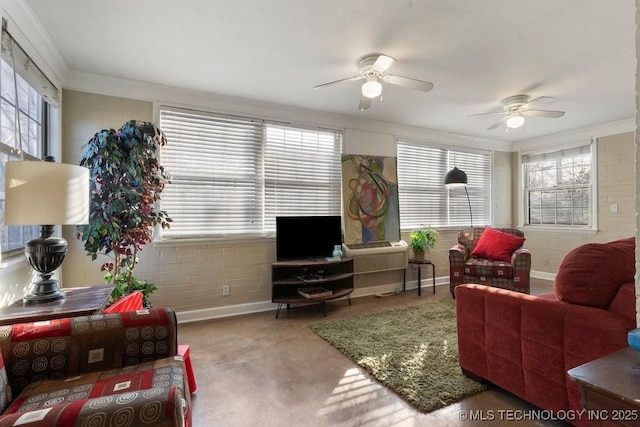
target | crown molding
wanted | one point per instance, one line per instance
(587, 133)
(28, 31)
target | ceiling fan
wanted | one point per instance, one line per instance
(372, 69)
(516, 107)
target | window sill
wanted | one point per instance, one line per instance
(560, 229)
(13, 263)
(213, 241)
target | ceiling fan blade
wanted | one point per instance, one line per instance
(408, 82)
(544, 113)
(502, 113)
(348, 79)
(498, 123)
(383, 63)
(365, 103)
(538, 99)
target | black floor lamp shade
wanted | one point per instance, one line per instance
(455, 177)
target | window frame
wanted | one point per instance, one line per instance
(43, 139)
(523, 207)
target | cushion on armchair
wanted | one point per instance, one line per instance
(135, 395)
(591, 274)
(496, 245)
(103, 369)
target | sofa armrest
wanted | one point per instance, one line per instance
(521, 264)
(526, 344)
(521, 259)
(67, 347)
(459, 250)
(458, 255)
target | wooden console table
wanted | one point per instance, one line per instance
(78, 302)
(611, 388)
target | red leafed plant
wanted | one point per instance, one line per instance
(126, 182)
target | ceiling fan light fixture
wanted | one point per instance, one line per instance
(372, 88)
(515, 120)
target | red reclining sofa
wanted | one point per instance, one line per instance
(526, 344)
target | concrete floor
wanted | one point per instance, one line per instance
(255, 370)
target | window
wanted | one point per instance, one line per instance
(557, 188)
(233, 175)
(33, 92)
(423, 198)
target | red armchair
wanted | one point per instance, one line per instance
(108, 369)
(464, 268)
(526, 344)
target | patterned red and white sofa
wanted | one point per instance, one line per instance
(106, 369)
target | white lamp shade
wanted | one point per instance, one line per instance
(515, 121)
(46, 193)
(372, 88)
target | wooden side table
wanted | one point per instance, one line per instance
(77, 302)
(419, 264)
(611, 388)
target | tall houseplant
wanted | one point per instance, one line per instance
(126, 182)
(422, 239)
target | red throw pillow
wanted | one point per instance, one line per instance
(496, 245)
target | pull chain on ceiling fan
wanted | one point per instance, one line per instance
(516, 108)
(372, 69)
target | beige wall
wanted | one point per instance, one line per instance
(616, 185)
(190, 276)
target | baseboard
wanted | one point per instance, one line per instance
(543, 275)
(226, 311)
(257, 307)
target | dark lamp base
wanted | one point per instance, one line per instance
(45, 254)
(43, 291)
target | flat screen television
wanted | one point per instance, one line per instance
(307, 236)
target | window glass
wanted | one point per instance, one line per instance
(558, 188)
(13, 238)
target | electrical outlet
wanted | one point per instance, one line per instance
(545, 261)
(225, 291)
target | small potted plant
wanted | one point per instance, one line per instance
(422, 239)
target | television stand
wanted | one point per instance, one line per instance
(319, 279)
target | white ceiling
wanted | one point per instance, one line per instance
(582, 53)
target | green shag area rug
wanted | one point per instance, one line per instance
(412, 350)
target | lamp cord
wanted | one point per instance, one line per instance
(469, 201)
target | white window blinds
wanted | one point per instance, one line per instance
(17, 58)
(214, 162)
(234, 175)
(423, 198)
(302, 172)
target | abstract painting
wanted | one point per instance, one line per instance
(370, 195)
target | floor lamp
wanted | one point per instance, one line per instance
(457, 178)
(45, 194)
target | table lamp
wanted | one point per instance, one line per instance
(45, 194)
